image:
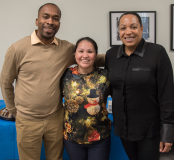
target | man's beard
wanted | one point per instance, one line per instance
(48, 37)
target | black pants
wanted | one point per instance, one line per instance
(99, 150)
(145, 149)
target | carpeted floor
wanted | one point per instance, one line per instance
(168, 156)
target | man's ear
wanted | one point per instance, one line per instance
(36, 22)
(59, 25)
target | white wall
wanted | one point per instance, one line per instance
(79, 18)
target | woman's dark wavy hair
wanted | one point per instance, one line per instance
(89, 40)
(132, 13)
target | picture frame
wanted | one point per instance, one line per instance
(148, 21)
(172, 26)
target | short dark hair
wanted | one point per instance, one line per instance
(132, 13)
(45, 5)
(89, 40)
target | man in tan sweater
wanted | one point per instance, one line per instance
(37, 63)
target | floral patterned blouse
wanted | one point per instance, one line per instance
(86, 117)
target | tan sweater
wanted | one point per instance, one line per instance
(37, 69)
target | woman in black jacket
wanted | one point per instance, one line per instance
(141, 77)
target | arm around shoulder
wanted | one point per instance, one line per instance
(100, 60)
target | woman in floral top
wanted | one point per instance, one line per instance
(85, 90)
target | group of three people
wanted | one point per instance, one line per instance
(138, 75)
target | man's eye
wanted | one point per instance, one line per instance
(56, 19)
(45, 17)
(90, 51)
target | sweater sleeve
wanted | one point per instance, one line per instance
(100, 60)
(106, 67)
(8, 75)
(166, 96)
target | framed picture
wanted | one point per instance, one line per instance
(172, 26)
(148, 21)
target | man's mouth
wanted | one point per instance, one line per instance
(48, 30)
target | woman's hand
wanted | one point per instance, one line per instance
(165, 147)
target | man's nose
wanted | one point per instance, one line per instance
(50, 20)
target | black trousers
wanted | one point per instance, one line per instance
(145, 149)
(99, 150)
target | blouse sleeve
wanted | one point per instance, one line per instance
(166, 96)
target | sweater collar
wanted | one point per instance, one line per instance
(36, 40)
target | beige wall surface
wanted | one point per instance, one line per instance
(79, 18)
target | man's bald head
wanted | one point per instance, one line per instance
(48, 4)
